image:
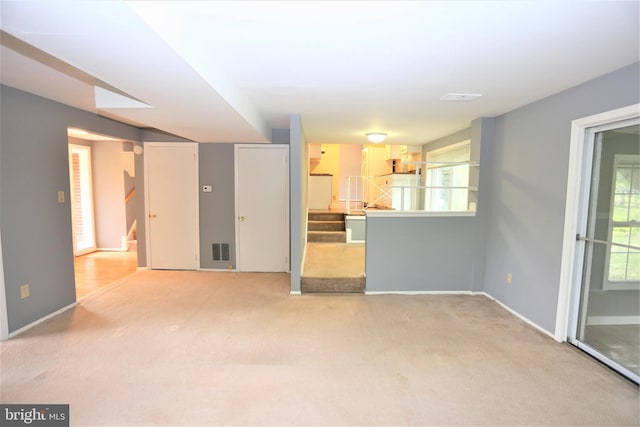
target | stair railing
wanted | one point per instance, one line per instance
(363, 186)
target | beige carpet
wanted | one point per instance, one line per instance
(202, 348)
(334, 260)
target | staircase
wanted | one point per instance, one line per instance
(331, 265)
(326, 227)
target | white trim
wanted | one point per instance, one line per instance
(524, 319)
(37, 322)
(575, 171)
(399, 214)
(219, 270)
(471, 293)
(111, 250)
(295, 293)
(4, 317)
(632, 160)
(613, 320)
(304, 252)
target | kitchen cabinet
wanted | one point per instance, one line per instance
(315, 151)
(395, 152)
(410, 149)
(392, 152)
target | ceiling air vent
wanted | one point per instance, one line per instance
(460, 97)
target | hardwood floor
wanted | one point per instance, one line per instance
(99, 269)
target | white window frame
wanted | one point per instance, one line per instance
(619, 160)
(430, 167)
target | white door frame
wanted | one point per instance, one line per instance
(146, 199)
(236, 198)
(579, 169)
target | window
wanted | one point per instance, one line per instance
(624, 224)
(447, 178)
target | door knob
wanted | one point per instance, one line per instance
(152, 215)
(241, 218)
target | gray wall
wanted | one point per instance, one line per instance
(528, 189)
(217, 209)
(419, 253)
(36, 229)
(298, 177)
(482, 135)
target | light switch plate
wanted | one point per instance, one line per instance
(207, 188)
(60, 196)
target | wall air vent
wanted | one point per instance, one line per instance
(221, 252)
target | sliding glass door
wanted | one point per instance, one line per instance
(606, 319)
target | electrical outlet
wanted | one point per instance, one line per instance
(60, 196)
(509, 278)
(24, 291)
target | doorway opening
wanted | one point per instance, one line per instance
(103, 204)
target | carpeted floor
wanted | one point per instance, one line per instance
(206, 348)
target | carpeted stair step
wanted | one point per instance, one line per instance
(326, 226)
(325, 216)
(310, 285)
(327, 236)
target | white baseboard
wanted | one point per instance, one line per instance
(37, 322)
(613, 320)
(424, 293)
(472, 293)
(521, 317)
(295, 293)
(219, 270)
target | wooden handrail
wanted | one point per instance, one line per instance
(130, 195)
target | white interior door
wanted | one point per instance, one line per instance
(171, 186)
(262, 208)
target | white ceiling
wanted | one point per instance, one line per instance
(231, 71)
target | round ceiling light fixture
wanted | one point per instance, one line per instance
(376, 137)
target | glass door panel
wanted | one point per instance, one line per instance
(608, 324)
